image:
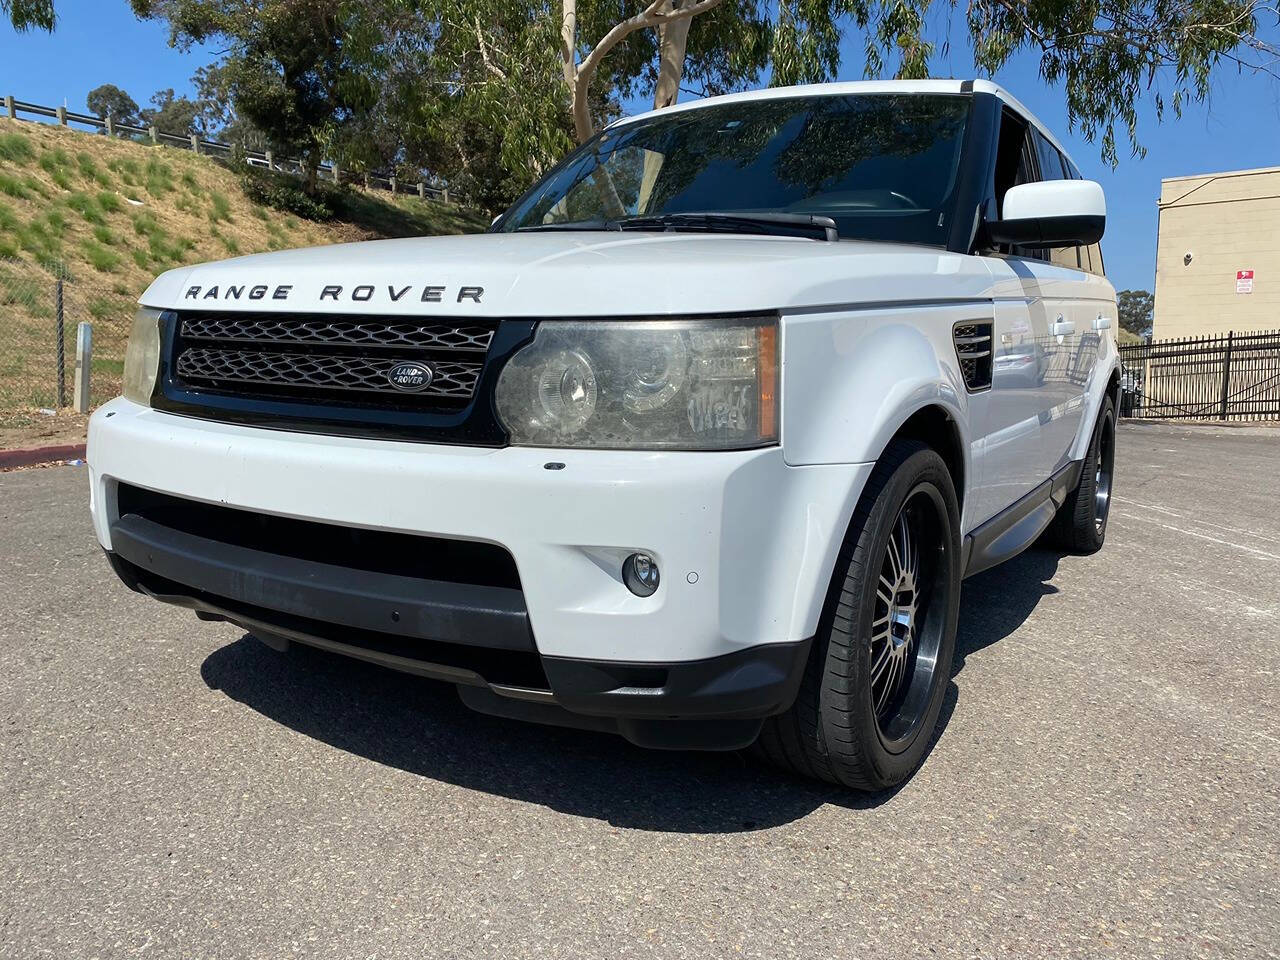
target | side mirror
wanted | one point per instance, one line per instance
(1051, 213)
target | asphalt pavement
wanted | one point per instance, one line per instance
(1106, 781)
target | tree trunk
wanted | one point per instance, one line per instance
(673, 38)
(583, 128)
(568, 39)
(671, 18)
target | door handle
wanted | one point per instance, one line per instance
(1102, 323)
(1062, 328)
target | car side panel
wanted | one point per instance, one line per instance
(1052, 295)
(1008, 418)
(851, 379)
(1098, 354)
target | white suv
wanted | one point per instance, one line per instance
(696, 444)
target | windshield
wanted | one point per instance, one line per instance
(882, 166)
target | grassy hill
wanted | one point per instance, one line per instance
(109, 215)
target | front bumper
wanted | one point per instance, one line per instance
(745, 543)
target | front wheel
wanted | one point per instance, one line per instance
(879, 667)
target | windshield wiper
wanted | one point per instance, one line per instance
(779, 224)
(567, 225)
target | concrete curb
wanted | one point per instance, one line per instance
(29, 456)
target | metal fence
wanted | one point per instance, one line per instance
(1227, 377)
(14, 109)
(41, 306)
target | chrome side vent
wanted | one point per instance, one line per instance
(973, 350)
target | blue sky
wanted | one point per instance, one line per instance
(100, 41)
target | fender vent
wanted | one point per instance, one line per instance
(973, 350)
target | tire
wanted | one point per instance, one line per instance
(1080, 524)
(847, 725)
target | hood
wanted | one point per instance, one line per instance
(573, 274)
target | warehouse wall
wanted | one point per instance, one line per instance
(1228, 222)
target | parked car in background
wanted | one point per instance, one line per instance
(696, 445)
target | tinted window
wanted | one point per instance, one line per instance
(1052, 166)
(882, 166)
(1015, 164)
(1095, 260)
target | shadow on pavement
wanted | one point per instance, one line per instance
(421, 727)
(995, 603)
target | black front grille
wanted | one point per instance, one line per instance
(377, 333)
(318, 358)
(303, 372)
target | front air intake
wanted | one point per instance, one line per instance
(973, 350)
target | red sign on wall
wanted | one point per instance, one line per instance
(1244, 281)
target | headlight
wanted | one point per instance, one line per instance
(142, 356)
(670, 384)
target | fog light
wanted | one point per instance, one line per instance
(640, 574)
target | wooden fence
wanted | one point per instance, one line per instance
(14, 109)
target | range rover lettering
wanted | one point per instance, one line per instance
(696, 444)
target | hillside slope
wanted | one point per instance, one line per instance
(108, 215)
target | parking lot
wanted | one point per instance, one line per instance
(1106, 782)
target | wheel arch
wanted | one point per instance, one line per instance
(930, 422)
(1103, 387)
(939, 428)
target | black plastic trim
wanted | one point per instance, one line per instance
(460, 613)
(279, 637)
(758, 681)
(1016, 527)
(1064, 481)
(652, 733)
(719, 703)
(983, 360)
(975, 171)
(1049, 232)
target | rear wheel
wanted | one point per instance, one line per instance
(1081, 522)
(879, 666)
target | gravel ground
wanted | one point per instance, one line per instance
(1106, 783)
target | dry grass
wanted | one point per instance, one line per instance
(29, 427)
(114, 214)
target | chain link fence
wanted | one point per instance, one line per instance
(41, 305)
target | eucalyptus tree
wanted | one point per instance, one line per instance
(1108, 56)
(29, 14)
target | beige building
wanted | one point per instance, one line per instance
(1218, 254)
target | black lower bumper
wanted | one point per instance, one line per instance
(477, 637)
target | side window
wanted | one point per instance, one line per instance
(1053, 166)
(1015, 164)
(1093, 252)
(1051, 163)
(1068, 257)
